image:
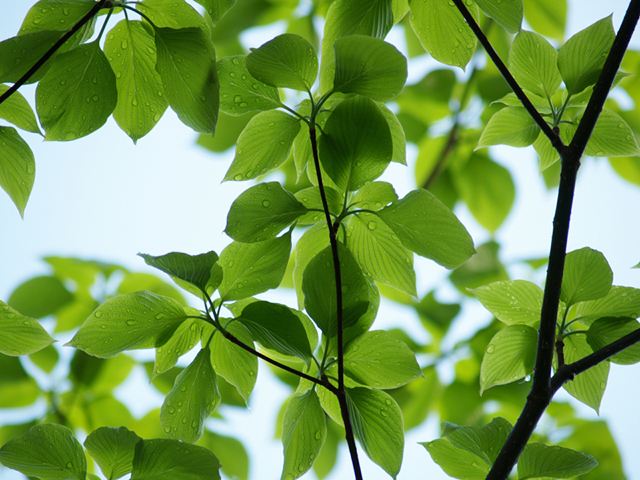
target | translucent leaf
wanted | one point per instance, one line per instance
(252, 268)
(19, 54)
(231, 452)
(424, 225)
(510, 356)
(619, 302)
(312, 200)
(506, 14)
(262, 212)
(587, 276)
(510, 126)
(546, 153)
(374, 196)
(39, 297)
(612, 137)
(185, 337)
(46, 451)
(287, 61)
(356, 145)
(607, 330)
(193, 398)
(312, 242)
(263, 145)
(163, 459)
(17, 110)
(533, 63)
(113, 450)
(17, 167)
(174, 14)
(19, 334)
(443, 32)
(77, 95)
(217, 8)
(304, 432)
(539, 460)
(369, 66)
(512, 302)
(581, 59)
(131, 51)
(130, 321)
(187, 66)
(55, 15)
(397, 135)
(547, 17)
(17, 387)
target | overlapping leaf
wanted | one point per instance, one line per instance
(533, 63)
(541, 461)
(508, 14)
(510, 126)
(113, 450)
(587, 276)
(17, 110)
(165, 459)
(512, 302)
(19, 334)
(607, 330)
(17, 167)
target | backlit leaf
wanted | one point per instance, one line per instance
(612, 137)
(19, 334)
(113, 450)
(547, 17)
(174, 14)
(17, 110)
(39, 297)
(164, 459)
(510, 126)
(17, 167)
(19, 54)
(619, 302)
(508, 14)
(607, 330)
(185, 337)
(587, 276)
(541, 461)
(512, 302)
(533, 63)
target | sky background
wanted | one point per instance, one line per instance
(103, 198)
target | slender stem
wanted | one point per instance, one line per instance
(90, 14)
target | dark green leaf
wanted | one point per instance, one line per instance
(587, 276)
(163, 459)
(40, 296)
(19, 54)
(17, 167)
(19, 334)
(508, 14)
(58, 15)
(539, 460)
(607, 330)
(174, 14)
(112, 449)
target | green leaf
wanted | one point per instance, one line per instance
(312, 200)
(185, 337)
(277, 328)
(377, 424)
(17, 387)
(512, 302)
(187, 66)
(127, 322)
(217, 8)
(506, 14)
(424, 225)
(374, 196)
(533, 63)
(619, 302)
(252, 268)
(192, 272)
(356, 145)
(241, 93)
(546, 153)
(443, 32)
(587, 276)
(231, 452)
(375, 247)
(607, 330)
(20, 335)
(379, 360)
(19, 54)
(55, 15)
(17, 110)
(397, 135)
(263, 145)
(612, 137)
(547, 17)
(287, 61)
(589, 386)
(193, 398)
(45, 359)
(581, 59)
(234, 364)
(319, 288)
(175, 14)
(17, 167)
(163, 459)
(39, 297)
(312, 242)
(113, 450)
(46, 451)
(369, 66)
(510, 356)
(510, 126)
(304, 432)
(131, 51)
(539, 460)
(262, 212)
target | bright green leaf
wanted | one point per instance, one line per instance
(19, 334)
(312, 200)
(46, 359)
(374, 196)
(587, 276)
(508, 14)
(510, 126)
(39, 297)
(19, 54)
(217, 8)
(512, 302)
(547, 17)
(17, 167)
(546, 153)
(174, 14)
(612, 137)
(113, 450)
(17, 110)
(397, 135)
(541, 461)
(185, 337)
(619, 302)
(312, 242)
(607, 330)
(17, 387)
(163, 459)
(55, 15)
(231, 452)
(533, 63)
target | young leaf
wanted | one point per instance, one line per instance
(587, 276)
(356, 145)
(370, 67)
(612, 137)
(187, 66)
(287, 61)
(379, 360)
(277, 328)
(77, 94)
(192, 400)
(113, 450)
(304, 432)
(185, 337)
(262, 212)
(510, 126)
(234, 364)
(252, 268)
(174, 14)
(546, 153)
(46, 451)
(512, 302)
(424, 225)
(312, 200)
(263, 145)
(19, 54)
(506, 14)
(374, 196)
(619, 302)
(510, 356)
(241, 93)
(533, 61)
(131, 51)
(312, 242)
(607, 330)
(443, 32)
(319, 288)
(375, 247)
(17, 110)
(19, 334)
(581, 59)
(130, 321)
(377, 424)
(17, 167)
(164, 459)
(539, 460)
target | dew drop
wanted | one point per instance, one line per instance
(266, 203)
(160, 316)
(318, 435)
(491, 348)
(237, 177)
(372, 225)
(97, 314)
(131, 323)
